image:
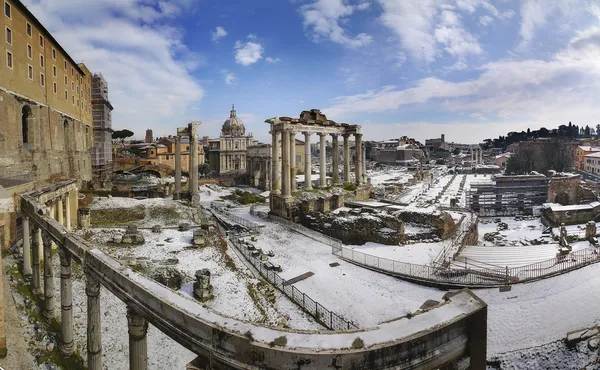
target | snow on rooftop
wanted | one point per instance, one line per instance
(555, 207)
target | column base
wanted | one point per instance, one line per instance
(67, 349)
(48, 314)
(176, 196)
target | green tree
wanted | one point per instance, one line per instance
(204, 169)
(121, 135)
(456, 151)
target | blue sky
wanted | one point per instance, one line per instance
(471, 69)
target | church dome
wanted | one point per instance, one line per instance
(233, 126)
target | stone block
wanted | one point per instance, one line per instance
(157, 229)
(184, 226)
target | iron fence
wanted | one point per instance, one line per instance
(315, 235)
(326, 317)
(221, 209)
(469, 276)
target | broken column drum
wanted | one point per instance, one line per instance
(202, 288)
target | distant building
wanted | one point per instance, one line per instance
(580, 155)
(149, 138)
(434, 144)
(228, 152)
(501, 159)
(163, 152)
(258, 167)
(102, 120)
(398, 152)
(592, 163)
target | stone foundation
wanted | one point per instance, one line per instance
(357, 227)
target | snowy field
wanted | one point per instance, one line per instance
(536, 314)
(513, 244)
(527, 316)
(389, 175)
(418, 253)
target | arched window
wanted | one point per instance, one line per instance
(26, 115)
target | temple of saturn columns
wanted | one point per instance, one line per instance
(283, 177)
(192, 131)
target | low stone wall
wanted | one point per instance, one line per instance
(555, 214)
(357, 227)
(440, 220)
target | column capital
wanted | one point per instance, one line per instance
(138, 325)
(92, 285)
(321, 134)
(334, 135)
(346, 135)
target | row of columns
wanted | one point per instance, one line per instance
(476, 156)
(283, 171)
(33, 238)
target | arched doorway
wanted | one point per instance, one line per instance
(26, 118)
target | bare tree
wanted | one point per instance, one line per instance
(558, 154)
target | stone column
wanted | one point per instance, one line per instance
(59, 211)
(194, 160)
(138, 346)
(177, 191)
(285, 157)
(275, 158)
(307, 162)
(66, 303)
(267, 175)
(346, 157)
(94, 330)
(322, 162)
(358, 163)
(335, 156)
(363, 170)
(48, 277)
(74, 203)
(26, 248)
(35, 261)
(293, 161)
(68, 211)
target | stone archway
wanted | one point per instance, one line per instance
(562, 198)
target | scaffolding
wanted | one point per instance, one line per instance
(102, 120)
(508, 194)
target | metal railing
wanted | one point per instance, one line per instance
(469, 276)
(315, 235)
(224, 211)
(326, 317)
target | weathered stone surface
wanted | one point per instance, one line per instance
(157, 229)
(133, 239)
(357, 226)
(168, 276)
(184, 226)
(202, 288)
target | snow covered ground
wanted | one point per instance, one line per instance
(418, 253)
(395, 175)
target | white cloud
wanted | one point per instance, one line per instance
(535, 15)
(456, 39)
(247, 53)
(323, 18)
(413, 22)
(363, 6)
(544, 92)
(486, 20)
(143, 58)
(251, 36)
(230, 79)
(218, 33)
(458, 66)
(272, 60)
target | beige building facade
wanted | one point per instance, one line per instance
(46, 131)
(163, 152)
(227, 154)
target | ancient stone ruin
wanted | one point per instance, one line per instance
(203, 291)
(132, 236)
